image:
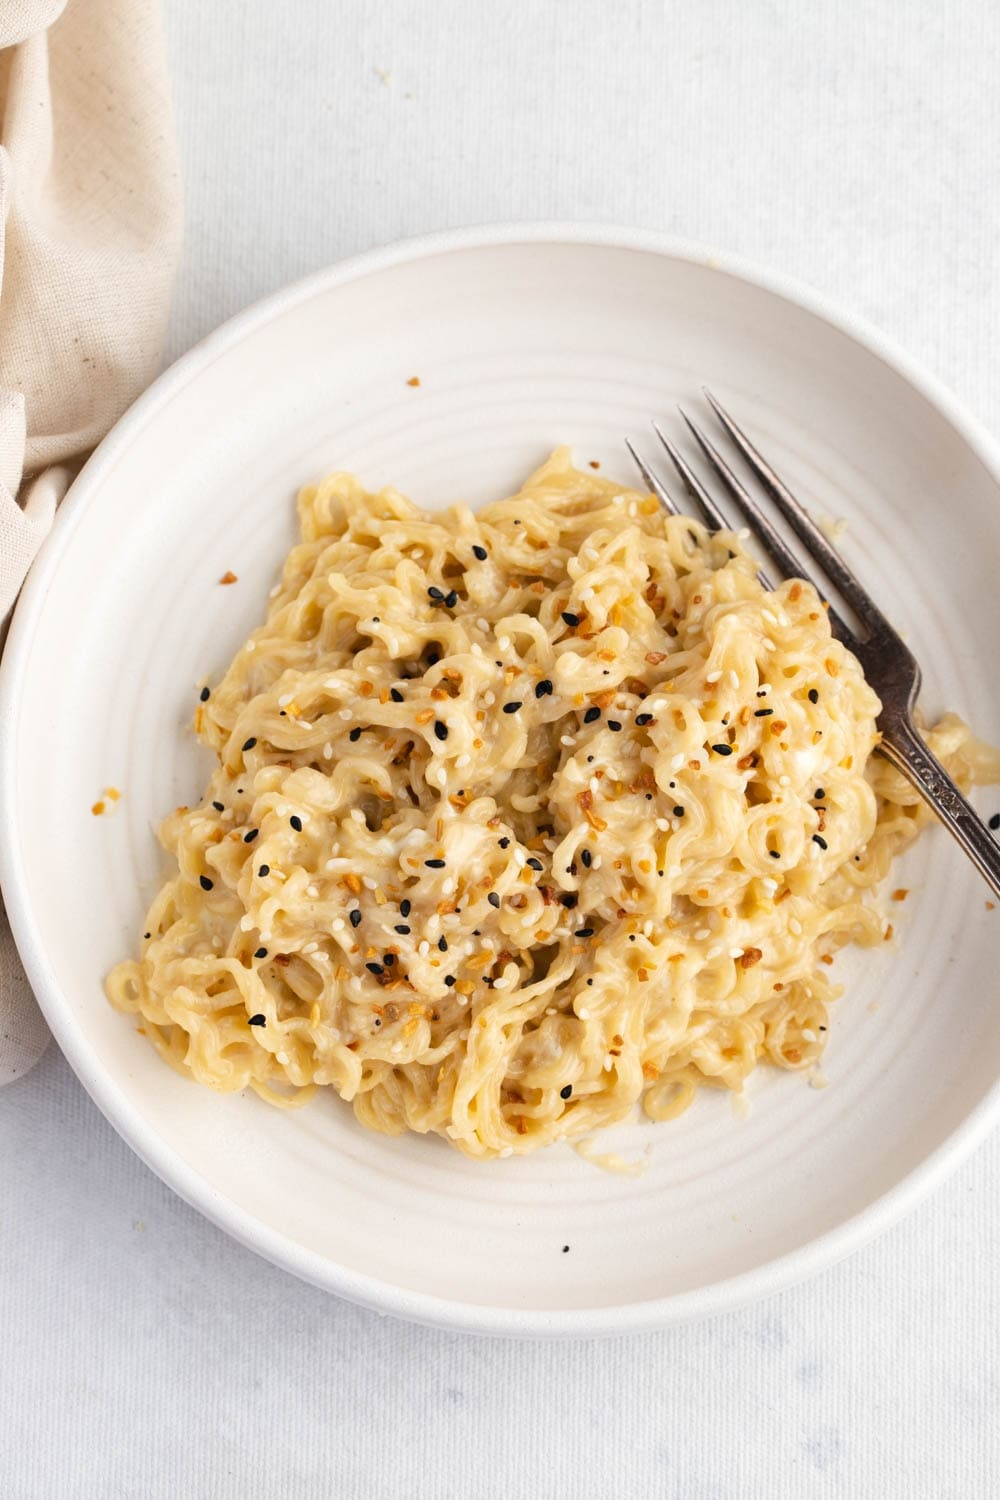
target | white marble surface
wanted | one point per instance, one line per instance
(855, 147)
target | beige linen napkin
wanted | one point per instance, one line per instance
(90, 215)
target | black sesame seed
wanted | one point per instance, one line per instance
(374, 968)
(434, 864)
(354, 735)
(219, 806)
(614, 725)
(257, 1020)
(442, 945)
(435, 593)
(774, 853)
(543, 688)
(402, 929)
(820, 841)
(565, 1091)
(591, 715)
(451, 599)
(433, 657)
(389, 959)
(819, 794)
(449, 980)
(642, 719)
(586, 858)
(534, 864)
(395, 695)
(761, 693)
(260, 953)
(204, 695)
(995, 822)
(493, 899)
(264, 870)
(511, 708)
(503, 842)
(565, 1250)
(147, 934)
(206, 884)
(584, 932)
(479, 552)
(569, 900)
(723, 749)
(762, 713)
(404, 907)
(678, 812)
(249, 744)
(590, 981)
(296, 822)
(441, 730)
(813, 696)
(571, 619)
(355, 917)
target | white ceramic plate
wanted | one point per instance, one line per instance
(521, 339)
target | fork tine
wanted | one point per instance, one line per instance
(801, 522)
(693, 484)
(656, 486)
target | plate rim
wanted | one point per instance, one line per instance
(368, 1291)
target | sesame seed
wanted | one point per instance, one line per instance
(762, 713)
(389, 959)
(564, 1093)
(493, 899)
(434, 864)
(820, 841)
(511, 708)
(441, 730)
(585, 857)
(995, 822)
(449, 980)
(296, 822)
(571, 620)
(402, 929)
(374, 968)
(443, 944)
(774, 853)
(479, 552)
(614, 725)
(451, 599)
(260, 953)
(591, 715)
(813, 696)
(543, 688)
(354, 736)
(395, 695)
(404, 907)
(219, 806)
(713, 676)
(678, 811)
(249, 744)
(503, 842)
(535, 864)
(204, 695)
(264, 870)
(257, 1020)
(584, 932)
(206, 884)
(723, 749)
(435, 593)
(642, 719)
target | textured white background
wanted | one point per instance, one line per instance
(855, 146)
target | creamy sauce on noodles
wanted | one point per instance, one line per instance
(521, 817)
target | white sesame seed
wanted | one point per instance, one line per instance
(567, 741)
(489, 698)
(251, 645)
(663, 824)
(483, 625)
(285, 699)
(743, 534)
(765, 687)
(337, 925)
(677, 762)
(702, 934)
(311, 948)
(331, 864)
(583, 1013)
(733, 679)
(477, 649)
(328, 751)
(423, 947)
(345, 714)
(714, 951)
(769, 616)
(282, 1057)
(736, 953)
(246, 922)
(503, 642)
(795, 926)
(647, 929)
(462, 760)
(784, 781)
(448, 886)
(712, 676)
(594, 784)
(312, 891)
(368, 882)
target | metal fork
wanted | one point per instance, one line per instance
(889, 665)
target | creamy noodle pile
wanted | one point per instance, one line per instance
(521, 817)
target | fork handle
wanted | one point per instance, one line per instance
(902, 745)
